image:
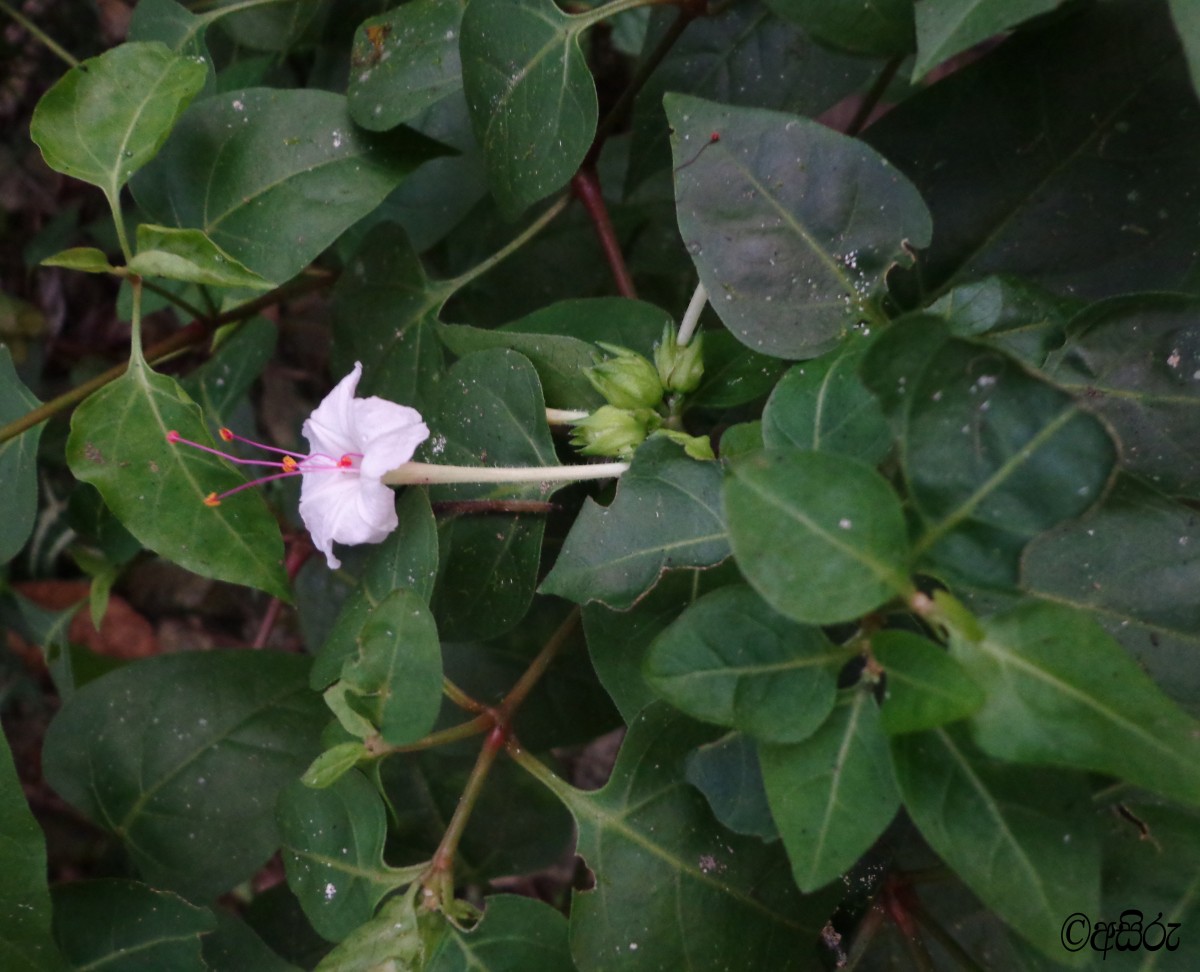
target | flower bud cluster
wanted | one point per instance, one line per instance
(635, 390)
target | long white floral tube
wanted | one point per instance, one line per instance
(424, 473)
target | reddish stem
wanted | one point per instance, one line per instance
(587, 189)
(298, 551)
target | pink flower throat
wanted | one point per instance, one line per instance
(290, 465)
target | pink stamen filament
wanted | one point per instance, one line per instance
(291, 465)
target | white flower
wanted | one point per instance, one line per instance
(362, 438)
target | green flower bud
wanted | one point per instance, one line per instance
(696, 446)
(679, 369)
(611, 431)
(626, 380)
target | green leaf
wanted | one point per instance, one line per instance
(119, 444)
(86, 259)
(333, 850)
(186, 254)
(404, 61)
(926, 688)
(273, 177)
(1137, 361)
(684, 893)
(489, 412)
(1187, 23)
(1024, 840)
(560, 361)
(820, 536)
(408, 559)
(833, 794)
(515, 934)
(108, 116)
(1061, 692)
(234, 947)
(25, 942)
(172, 24)
(823, 406)
(18, 461)
(400, 937)
(666, 514)
(994, 455)
(334, 763)
(792, 258)
(531, 95)
(1103, 101)
(1131, 564)
(384, 315)
(277, 27)
(124, 926)
(883, 28)
(949, 27)
(728, 773)
(1021, 317)
(740, 54)
(775, 681)
(179, 755)
(395, 679)
(618, 640)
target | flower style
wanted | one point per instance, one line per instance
(352, 505)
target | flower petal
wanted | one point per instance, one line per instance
(343, 507)
(387, 434)
(330, 428)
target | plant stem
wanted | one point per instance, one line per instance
(691, 317)
(442, 863)
(587, 189)
(688, 11)
(114, 205)
(460, 698)
(547, 216)
(540, 771)
(190, 309)
(443, 737)
(610, 10)
(61, 52)
(424, 473)
(537, 668)
(871, 98)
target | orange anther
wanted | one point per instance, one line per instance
(345, 462)
(212, 500)
(225, 434)
(289, 464)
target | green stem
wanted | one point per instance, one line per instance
(114, 205)
(460, 698)
(56, 48)
(136, 358)
(455, 284)
(190, 309)
(537, 668)
(437, 877)
(443, 737)
(541, 772)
